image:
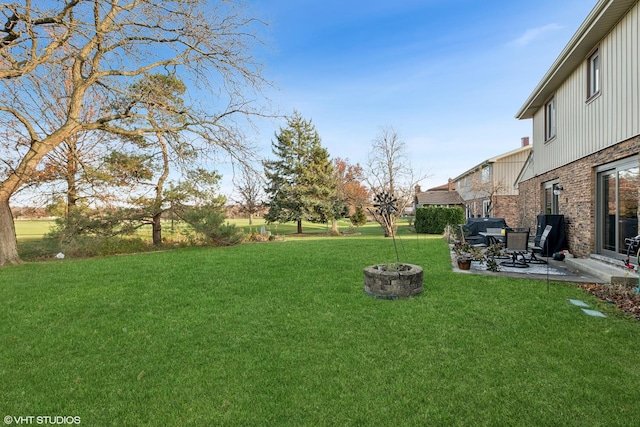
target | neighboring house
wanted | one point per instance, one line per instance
(488, 189)
(586, 134)
(443, 196)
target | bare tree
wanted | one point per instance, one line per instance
(68, 172)
(389, 172)
(104, 46)
(482, 188)
(31, 37)
(249, 186)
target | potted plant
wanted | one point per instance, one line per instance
(465, 253)
(490, 254)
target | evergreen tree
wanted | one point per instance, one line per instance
(359, 217)
(300, 183)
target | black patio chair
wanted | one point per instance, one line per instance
(474, 241)
(540, 248)
(516, 244)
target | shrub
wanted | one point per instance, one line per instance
(106, 223)
(434, 219)
(116, 245)
(359, 217)
(208, 222)
(89, 246)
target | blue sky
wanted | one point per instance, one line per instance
(448, 75)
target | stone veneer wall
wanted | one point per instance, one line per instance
(577, 201)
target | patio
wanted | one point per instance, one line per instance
(558, 271)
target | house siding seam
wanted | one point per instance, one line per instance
(577, 201)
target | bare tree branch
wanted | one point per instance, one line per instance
(103, 46)
(389, 171)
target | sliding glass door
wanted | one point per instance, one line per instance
(617, 206)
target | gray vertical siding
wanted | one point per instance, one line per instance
(613, 116)
(506, 170)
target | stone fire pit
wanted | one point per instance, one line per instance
(393, 281)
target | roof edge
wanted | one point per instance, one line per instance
(573, 51)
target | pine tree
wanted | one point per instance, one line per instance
(300, 183)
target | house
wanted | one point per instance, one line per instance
(488, 189)
(443, 196)
(586, 134)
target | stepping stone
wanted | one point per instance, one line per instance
(593, 313)
(578, 303)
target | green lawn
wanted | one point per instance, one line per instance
(27, 230)
(32, 229)
(282, 333)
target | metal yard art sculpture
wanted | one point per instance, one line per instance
(395, 280)
(385, 205)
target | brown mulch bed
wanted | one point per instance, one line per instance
(626, 298)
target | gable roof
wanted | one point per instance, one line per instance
(439, 197)
(526, 172)
(443, 187)
(604, 16)
(492, 160)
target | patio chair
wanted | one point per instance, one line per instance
(494, 240)
(540, 247)
(472, 240)
(516, 244)
(522, 229)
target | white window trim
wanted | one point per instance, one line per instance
(485, 208)
(550, 119)
(594, 74)
(555, 198)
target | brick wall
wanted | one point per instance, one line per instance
(506, 207)
(577, 201)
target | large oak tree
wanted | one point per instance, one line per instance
(104, 46)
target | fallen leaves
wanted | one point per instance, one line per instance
(624, 297)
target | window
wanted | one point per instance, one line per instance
(486, 174)
(550, 198)
(486, 208)
(550, 119)
(593, 76)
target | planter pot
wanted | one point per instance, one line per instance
(403, 282)
(464, 264)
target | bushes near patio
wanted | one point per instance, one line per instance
(434, 219)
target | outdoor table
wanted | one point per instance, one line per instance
(490, 236)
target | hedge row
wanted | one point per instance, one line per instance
(434, 219)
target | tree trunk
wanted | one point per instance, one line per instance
(157, 229)
(157, 206)
(391, 227)
(299, 226)
(334, 227)
(8, 242)
(250, 219)
(72, 171)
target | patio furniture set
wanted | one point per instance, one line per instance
(519, 247)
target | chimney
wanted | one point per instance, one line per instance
(525, 141)
(450, 187)
(418, 189)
